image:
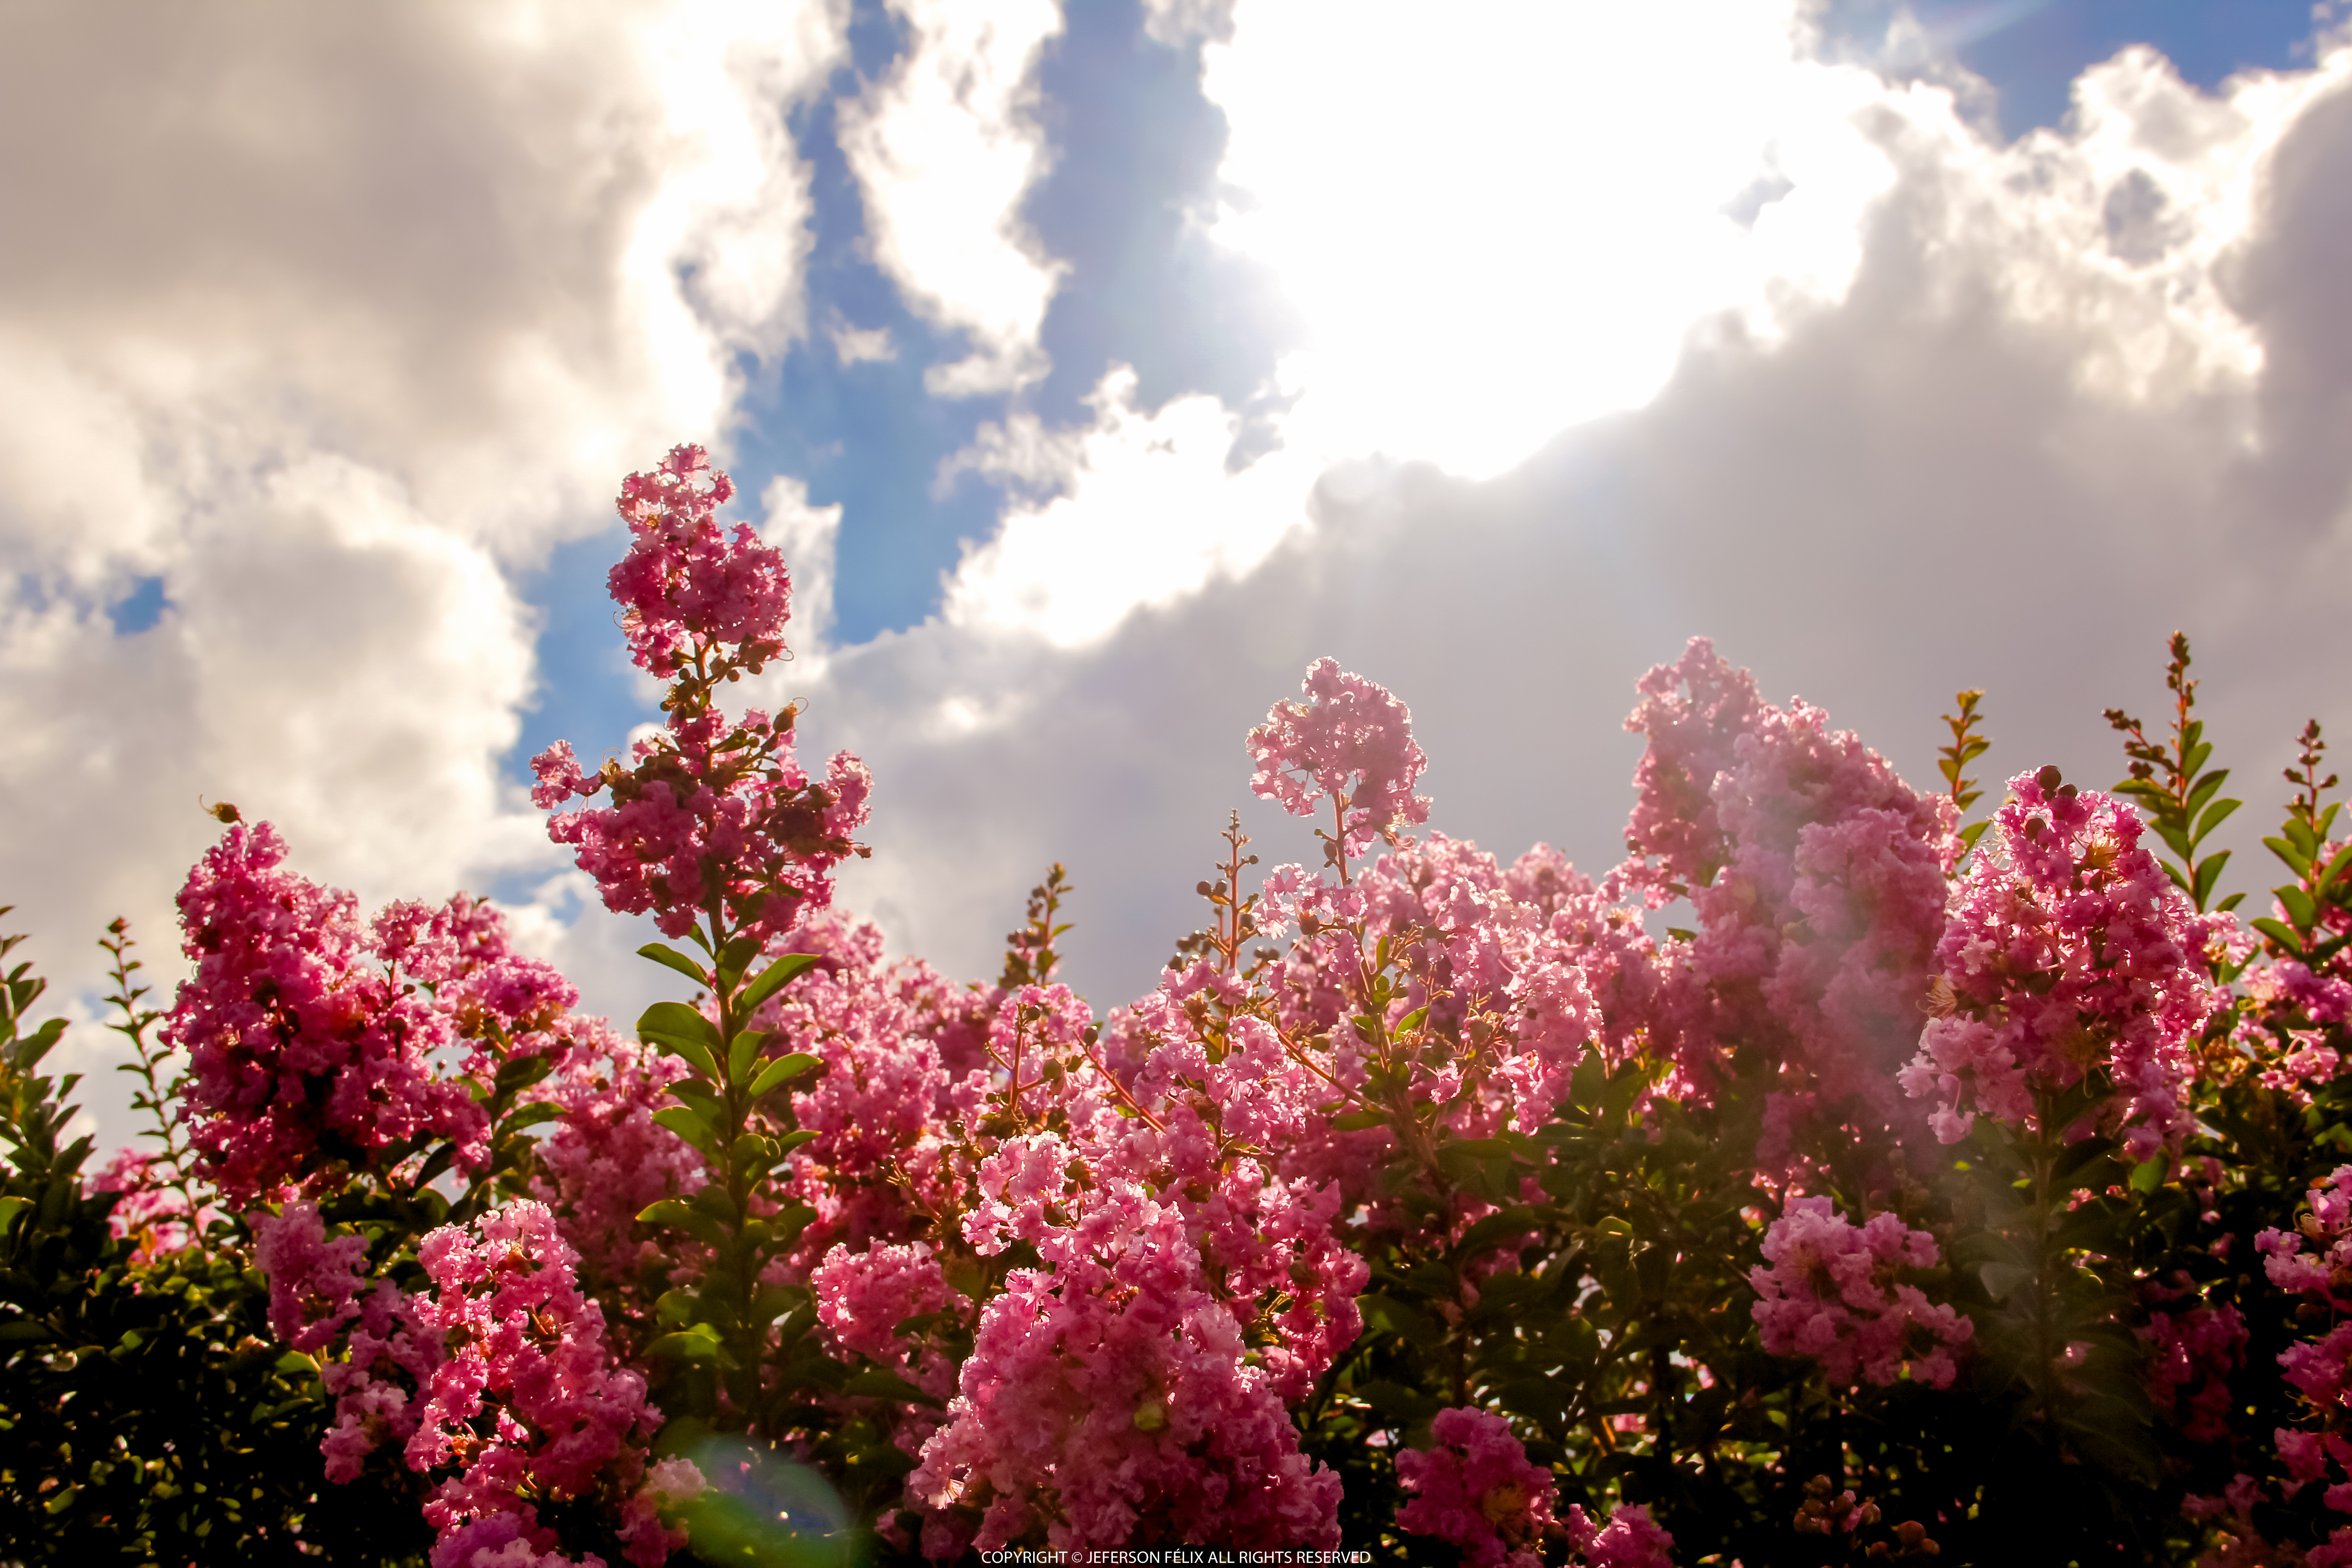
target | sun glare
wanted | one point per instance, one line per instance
(1500, 226)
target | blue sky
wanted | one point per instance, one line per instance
(1103, 364)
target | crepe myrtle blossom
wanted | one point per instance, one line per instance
(151, 1205)
(710, 817)
(1350, 743)
(2319, 1369)
(2068, 951)
(1475, 1488)
(321, 1303)
(529, 1404)
(310, 1049)
(1818, 880)
(1827, 1288)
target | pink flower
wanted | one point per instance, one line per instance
(305, 1055)
(2194, 1352)
(152, 1207)
(1350, 743)
(2068, 950)
(1476, 1488)
(1630, 1540)
(708, 810)
(1817, 878)
(526, 1354)
(1828, 1290)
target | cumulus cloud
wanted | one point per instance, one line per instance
(331, 318)
(945, 147)
(2011, 450)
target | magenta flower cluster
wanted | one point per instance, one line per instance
(712, 817)
(317, 1045)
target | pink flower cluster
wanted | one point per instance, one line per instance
(708, 814)
(1349, 742)
(309, 1050)
(1475, 1488)
(606, 1159)
(1817, 877)
(2192, 1351)
(1630, 1539)
(2068, 950)
(685, 585)
(2320, 1369)
(151, 1208)
(1134, 1390)
(319, 1301)
(1829, 1288)
(529, 1404)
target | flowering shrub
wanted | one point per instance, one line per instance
(1837, 1178)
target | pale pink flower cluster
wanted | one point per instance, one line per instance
(1830, 1290)
(529, 1404)
(1135, 1389)
(2068, 948)
(319, 1300)
(1473, 1487)
(1817, 878)
(1350, 741)
(708, 812)
(310, 1048)
(606, 1159)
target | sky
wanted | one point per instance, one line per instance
(1097, 365)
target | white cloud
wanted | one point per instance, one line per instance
(2020, 443)
(350, 313)
(1149, 514)
(946, 147)
(807, 536)
(862, 345)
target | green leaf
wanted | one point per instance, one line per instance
(2149, 1174)
(697, 1344)
(532, 1114)
(743, 1051)
(2295, 859)
(1515, 1221)
(734, 958)
(669, 957)
(2209, 872)
(1357, 1121)
(2334, 869)
(677, 1215)
(2201, 791)
(2215, 814)
(792, 1140)
(688, 1124)
(2000, 1279)
(1412, 1020)
(2299, 907)
(680, 1022)
(692, 1052)
(8, 1207)
(773, 979)
(878, 1384)
(782, 1070)
(2278, 931)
